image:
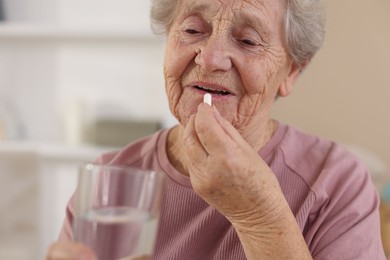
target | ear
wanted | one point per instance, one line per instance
(287, 85)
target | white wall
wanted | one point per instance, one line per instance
(106, 60)
(27, 88)
(32, 11)
(116, 76)
(105, 13)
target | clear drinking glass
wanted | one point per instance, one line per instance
(117, 210)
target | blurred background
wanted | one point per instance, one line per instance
(81, 77)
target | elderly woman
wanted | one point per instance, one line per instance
(241, 185)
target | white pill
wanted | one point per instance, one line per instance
(207, 99)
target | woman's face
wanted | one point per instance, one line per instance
(232, 49)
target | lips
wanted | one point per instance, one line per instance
(212, 90)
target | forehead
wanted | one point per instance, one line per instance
(237, 8)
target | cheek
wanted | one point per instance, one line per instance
(177, 55)
(173, 89)
(262, 79)
(261, 85)
(172, 71)
(177, 60)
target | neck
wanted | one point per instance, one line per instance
(261, 135)
(175, 148)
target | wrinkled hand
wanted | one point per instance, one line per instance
(226, 171)
(69, 251)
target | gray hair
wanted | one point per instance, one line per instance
(304, 25)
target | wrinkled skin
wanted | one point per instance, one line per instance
(242, 52)
(237, 47)
(233, 50)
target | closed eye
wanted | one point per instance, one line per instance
(191, 31)
(249, 42)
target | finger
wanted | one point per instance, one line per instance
(69, 250)
(211, 135)
(193, 147)
(229, 129)
(215, 137)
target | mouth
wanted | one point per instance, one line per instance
(212, 91)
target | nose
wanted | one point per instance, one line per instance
(214, 55)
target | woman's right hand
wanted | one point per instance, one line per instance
(68, 250)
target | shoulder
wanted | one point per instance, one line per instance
(333, 174)
(315, 158)
(345, 203)
(135, 152)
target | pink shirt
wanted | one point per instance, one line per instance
(328, 190)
